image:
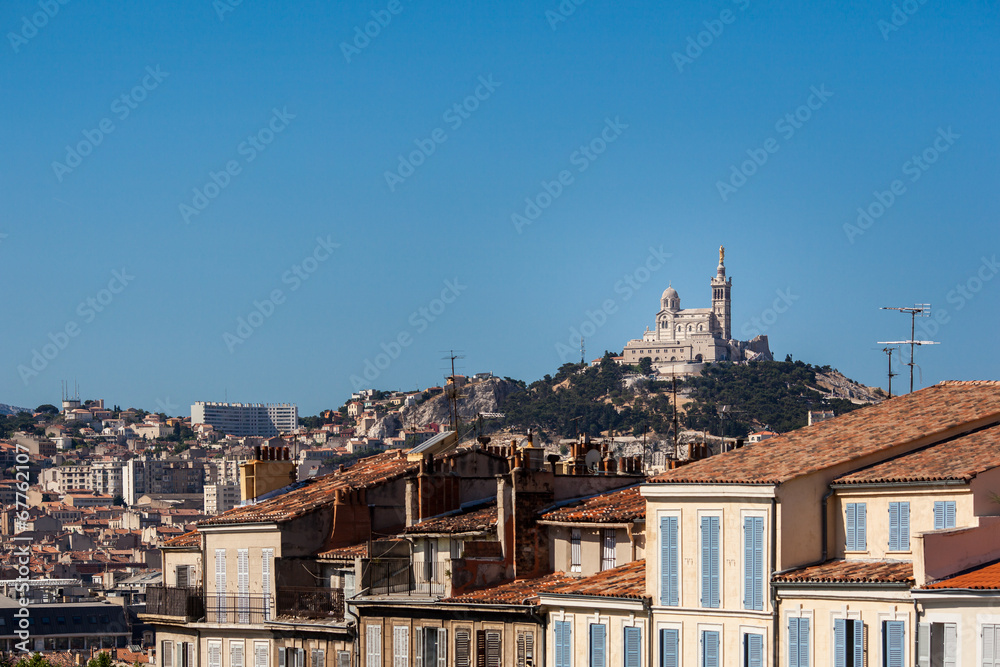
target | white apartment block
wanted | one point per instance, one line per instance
(243, 419)
(221, 498)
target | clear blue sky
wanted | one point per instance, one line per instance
(309, 128)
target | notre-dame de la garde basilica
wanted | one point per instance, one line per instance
(684, 339)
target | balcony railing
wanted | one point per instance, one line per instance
(401, 576)
(311, 602)
(173, 601)
(242, 609)
(193, 604)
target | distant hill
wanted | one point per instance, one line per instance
(12, 409)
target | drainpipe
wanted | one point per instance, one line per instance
(823, 522)
(776, 630)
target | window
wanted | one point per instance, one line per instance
(563, 642)
(753, 650)
(488, 648)
(343, 659)
(633, 646)
(798, 642)
(400, 646)
(944, 514)
(166, 654)
(848, 643)
(598, 645)
(710, 648)
(608, 555)
(183, 576)
(899, 526)
(214, 653)
(260, 654)
(463, 648)
(893, 647)
(753, 563)
(236, 654)
(670, 649)
(857, 527)
(669, 562)
(431, 647)
(266, 558)
(220, 585)
(243, 583)
(373, 646)
(710, 561)
(317, 658)
(937, 645)
(991, 646)
(525, 648)
(574, 550)
(456, 549)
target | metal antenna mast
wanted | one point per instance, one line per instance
(888, 352)
(917, 309)
(453, 399)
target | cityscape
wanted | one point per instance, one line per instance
(575, 334)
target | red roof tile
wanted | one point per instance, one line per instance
(850, 572)
(624, 581)
(476, 521)
(191, 539)
(380, 546)
(860, 433)
(957, 459)
(517, 592)
(984, 577)
(621, 506)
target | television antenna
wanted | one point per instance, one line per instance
(916, 310)
(888, 353)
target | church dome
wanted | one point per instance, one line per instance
(669, 293)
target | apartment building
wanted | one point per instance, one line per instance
(146, 475)
(243, 419)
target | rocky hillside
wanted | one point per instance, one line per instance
(834, 385)
(11, 409)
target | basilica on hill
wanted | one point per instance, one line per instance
(684, 339)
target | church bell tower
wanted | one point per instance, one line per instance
(721, 304)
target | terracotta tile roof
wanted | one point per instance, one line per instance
(621, 506)
(985, 578)
(957, 459)
(859, 433)
(476, 521)
(191, 539)
(380, 546)
(517, 592)
(319, 491)
(850, 572)
(624, 581)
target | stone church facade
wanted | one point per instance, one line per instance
(685, 339)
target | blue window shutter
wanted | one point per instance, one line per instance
(753, 563)
(803, 642)
(859, 642)
(563, 636)
(840, 643)
(633, 647)
(669, 562)
(748, 562)
(793, 642)
(904, 526)
(710, 648)
(938, 515)
(714, 561)
(894, 631)
(949, 514)
(851, 523)
(754, 648)
(894, 535)
(758, 587)
(669, 649)
(598, 634)
(706, 561)
(861, 540)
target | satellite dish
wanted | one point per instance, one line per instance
(592, 459)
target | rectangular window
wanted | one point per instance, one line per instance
(266, 558)
(343, 659)
(243, 583)
(798, 642)
(235, 654)
(633, 646)
(753, 563)
(183, 576)
(317, 657)
(260, 658)
(214, 653)
(574, 550)
(937, 645)
(944, 514)
(710, 561)
(373, 645)
(608, 553)
(431, 645)
(220, 586)
(563, 642)
(167, 654)
(669, 562)
(753, 650)
(710, 648)
(848, 643)
(283, 657)
(456, 549)
(488, 648)
(463, 648)
(893, 647)
(670, 649)
(899, 526)
(525, 649)
(857, 527)
(598, 645)
(400, 646)
(991, 645)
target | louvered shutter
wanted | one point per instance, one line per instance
(949, 514)
(840, 643)
(282, 657)
(243, 584)
(924, 645)
(529, 649)
(710, 648)
(950, 645)
(669, 648)
(300, 657)
(182, 576)
(401, 646)
(851, 527)
(894, 631)
(260, 654)
(938, 515)
(859, 641)
(574, 548)
(343, 659)
(669, 570)
(754, 647)
(861, 538)
(266, 557)
(904, 526)
(793, 642)
(442, 647)
(192, 661)
(633, 647)
(418, 646)
(481, 648)
(710, 561)
(598, 648)
(236, 654)
(563, 648)
(462, 648)
(521, 650)
(167, 649)
(753, 563)
(373, 645)
(220, 585)
(493, 649)
(608, 554)
(894, 534)
(215, 653)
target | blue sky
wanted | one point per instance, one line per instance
(216, 156)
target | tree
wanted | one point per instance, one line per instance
(47, 408)
(36, 660)
(646, 365)
(102, 659)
